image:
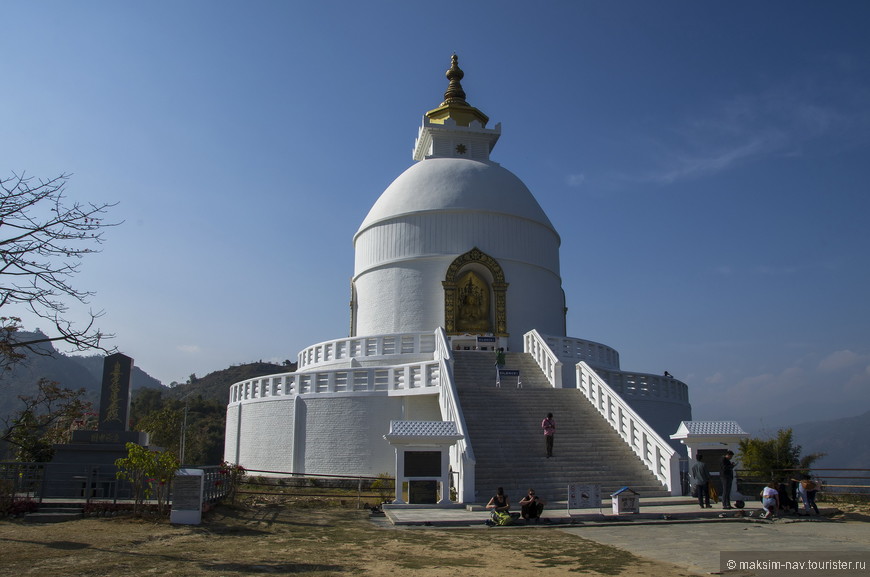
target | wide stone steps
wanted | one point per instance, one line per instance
(57, 513)
(504, 428)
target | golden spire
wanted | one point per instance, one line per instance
(454, 74)
(454, 105)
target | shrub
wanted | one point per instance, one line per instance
(232, 476)
(385, 487)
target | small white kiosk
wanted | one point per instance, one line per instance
(423, 460)
(712, 439)
(625, 501)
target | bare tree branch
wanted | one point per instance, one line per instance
(43, 238)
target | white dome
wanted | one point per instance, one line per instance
(456, 184)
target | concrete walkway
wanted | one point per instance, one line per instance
(699, 549)
(656, 509)
(674, 530)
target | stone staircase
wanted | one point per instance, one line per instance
(504, 428)
(55, 513)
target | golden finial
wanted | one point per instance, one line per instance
(454, 74)
(454, 106)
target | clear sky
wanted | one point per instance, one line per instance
(707, 165)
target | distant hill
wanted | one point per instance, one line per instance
(72, 372)
(846, 441)
(216, 386)
(86, 372)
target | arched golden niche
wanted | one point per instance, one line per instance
(474, 295)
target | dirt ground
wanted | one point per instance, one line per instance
(282, 539)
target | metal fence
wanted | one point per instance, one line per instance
(86, 482)
(337, 487)
(833, 483)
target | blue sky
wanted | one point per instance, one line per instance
(706, 164)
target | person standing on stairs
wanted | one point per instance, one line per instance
(499, 364)
(549, 426)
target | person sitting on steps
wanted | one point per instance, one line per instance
(532, 506)
(499, 504)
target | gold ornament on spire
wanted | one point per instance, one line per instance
(454, 74)
(454, 106)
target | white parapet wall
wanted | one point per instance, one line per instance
(536, 345)
(361, 349)
(462, 462)
(654, 451)
(290, 422)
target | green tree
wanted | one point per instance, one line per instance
(163, 427)
(150, 474)
(43, 420)
(43, 238)
(164, 420)
(776, 458)
(145, 401)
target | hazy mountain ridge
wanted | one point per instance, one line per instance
(216, 385)
(846, 441)
(71, 371)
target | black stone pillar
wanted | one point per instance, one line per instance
(116, 393)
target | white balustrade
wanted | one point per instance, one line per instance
(647, 386)
(406, 377)
(576, 350)
(536, 345)
(342, 350)
(658, 456)
(462, 460)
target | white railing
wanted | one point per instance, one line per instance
(536, 345)
(339, 350)
(461, 455)
(409, 377)
(576, 350)
(646, 386)
(653, 450)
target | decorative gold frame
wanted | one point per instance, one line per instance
(499, 289)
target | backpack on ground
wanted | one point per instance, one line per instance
(501, 518)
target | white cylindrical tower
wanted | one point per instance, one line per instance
(457, 241)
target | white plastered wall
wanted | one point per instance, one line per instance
(402, 262)
(330, 435)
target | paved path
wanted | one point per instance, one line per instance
(696, 546)
(654, 509)
(675, 530)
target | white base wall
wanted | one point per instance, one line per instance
(321, 434)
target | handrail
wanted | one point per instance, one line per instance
(658, 456)
(575, 350)
(536, 345)
(342, 350)
(406, 377)
(634, 385)
(461, 454)
(842, 484)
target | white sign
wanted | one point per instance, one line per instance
(584, 496)
(187, 491)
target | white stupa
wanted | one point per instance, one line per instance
(456, 254)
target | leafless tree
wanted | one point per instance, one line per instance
(43, 237)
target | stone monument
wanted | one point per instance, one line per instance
(87, 462)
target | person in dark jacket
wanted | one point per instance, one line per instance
(727, 475)
(701, 481)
